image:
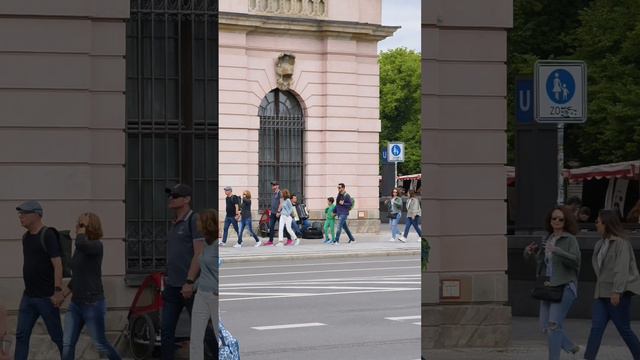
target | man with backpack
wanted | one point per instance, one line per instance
(344, 204)
(184, 245)
(232, 217)
(42, 274)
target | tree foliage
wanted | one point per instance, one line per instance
(400, 104)
(606, 35)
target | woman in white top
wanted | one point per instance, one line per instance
(286, 219)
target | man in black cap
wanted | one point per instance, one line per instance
(276, 206)
(184, 245)
(42, 273)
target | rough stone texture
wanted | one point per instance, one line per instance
(466, 326)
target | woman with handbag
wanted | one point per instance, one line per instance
(557, 267)
(617, 280)
(394, 214)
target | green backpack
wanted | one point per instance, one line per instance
(353, 201)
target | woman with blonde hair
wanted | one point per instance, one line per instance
(245, 221)
(286, 219)
(205, 304)
(87, 307)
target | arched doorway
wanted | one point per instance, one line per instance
(280, 139)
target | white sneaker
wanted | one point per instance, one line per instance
(279, 243)
(402, 238)
(297, 242)
(258, 244)
(392, 240)
(222, 243)
(237, 246)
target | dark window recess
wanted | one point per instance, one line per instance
(281, 152)
(172, 119)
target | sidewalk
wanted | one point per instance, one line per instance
(529, 344)
(365, 245)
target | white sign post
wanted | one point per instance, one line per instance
(560, 98)
(395, 154)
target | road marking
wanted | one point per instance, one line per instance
(325, 294)
(288, 326)
(401, 318)
(318, 271)
(229, 267)
(418, 323)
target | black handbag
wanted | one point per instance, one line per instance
(544, 291)
(392, 215)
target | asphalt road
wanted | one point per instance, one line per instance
(361, 308)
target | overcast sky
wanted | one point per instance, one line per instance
(405, 13)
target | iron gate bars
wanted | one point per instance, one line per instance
(172, 119)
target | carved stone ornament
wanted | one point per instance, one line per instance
(284, 70)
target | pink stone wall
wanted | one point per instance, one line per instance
(336, 81)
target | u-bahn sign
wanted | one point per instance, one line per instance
(560, 91)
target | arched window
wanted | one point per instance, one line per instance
(281, 152)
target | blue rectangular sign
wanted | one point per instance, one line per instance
(524, 101)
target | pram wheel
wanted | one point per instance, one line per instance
(142, 337)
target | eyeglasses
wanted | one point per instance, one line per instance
(26, 212)
(174, 196)
(561, 219)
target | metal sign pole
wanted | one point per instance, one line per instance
(395, 177)
(560, 163)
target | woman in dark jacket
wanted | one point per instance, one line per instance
(87, 307)
(558, 264)
(617, 280)
(246, 222)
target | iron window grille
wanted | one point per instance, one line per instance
(281, 145)
(172, 119)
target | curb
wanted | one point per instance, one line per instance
(245, 259)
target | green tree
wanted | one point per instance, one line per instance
(400, 103)
(609, 41)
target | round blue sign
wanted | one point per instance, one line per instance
(560, 86)
(395, 150)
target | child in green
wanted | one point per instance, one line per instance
(330, 222)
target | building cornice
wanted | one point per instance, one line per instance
(303, 26)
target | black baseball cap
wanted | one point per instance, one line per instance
(274, 183)
(181, 190)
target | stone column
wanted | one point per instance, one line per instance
(464, 86)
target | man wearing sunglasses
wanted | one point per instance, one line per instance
(42, 273)
(343, 206)
(184, 243)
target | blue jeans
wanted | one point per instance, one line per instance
(415, 222)
(395, 231)
(30, 310)
(603, 311)
(342, 224)
(272, 225)
(246, 223)
(552, 317)
(298, 229)
(229, 220)
(171, 309)
(91, 315)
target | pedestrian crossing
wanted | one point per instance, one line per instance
(324, 286)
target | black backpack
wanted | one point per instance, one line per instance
(64, 242)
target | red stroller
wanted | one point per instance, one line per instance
(145, 324)
(263, 225)
(144, 317)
